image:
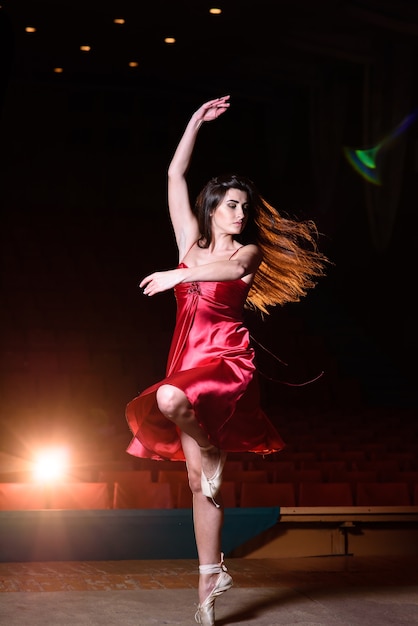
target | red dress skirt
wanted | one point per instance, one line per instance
(212, 362)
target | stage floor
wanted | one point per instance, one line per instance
(320, 591)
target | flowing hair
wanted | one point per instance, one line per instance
(291, 261)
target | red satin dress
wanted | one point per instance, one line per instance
(212, 362)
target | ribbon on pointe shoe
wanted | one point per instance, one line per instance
(205, 613)
(211, 486)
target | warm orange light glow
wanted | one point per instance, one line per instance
(119, 20)
(215, 11)
(133, 63)
(30, 29)
(58, 70)
(170, 40)
(85, 48)
(50, 465)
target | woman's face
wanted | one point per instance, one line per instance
(231, 215)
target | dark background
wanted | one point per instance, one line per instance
(83, 161)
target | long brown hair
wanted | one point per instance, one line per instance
(292, 262)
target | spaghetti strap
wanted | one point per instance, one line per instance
(235, 252)
(184, 255)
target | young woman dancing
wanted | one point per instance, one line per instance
(235, 250)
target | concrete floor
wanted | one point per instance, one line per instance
(316, 591)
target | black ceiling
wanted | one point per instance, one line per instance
(253, 44)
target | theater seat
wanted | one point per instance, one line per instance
(68, 495)
(173, 476)
(143, 496)
(382, 494)
(246, 475)
(79, 495)
(22, 496)
(130, 477)
(267, 494)
(325, 494)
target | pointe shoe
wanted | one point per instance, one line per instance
(205, 613)
(211, 486)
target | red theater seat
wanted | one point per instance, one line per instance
(325, 494)
(79, 495)
(143, 496)
(267, 494)
(382, 494)
(22, 496)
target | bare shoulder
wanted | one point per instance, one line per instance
(249, 250)
(250, 257)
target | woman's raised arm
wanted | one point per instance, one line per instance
(182, 217)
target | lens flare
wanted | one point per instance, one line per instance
(50, 465)
(366, 161)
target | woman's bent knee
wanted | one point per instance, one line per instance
(171, 400)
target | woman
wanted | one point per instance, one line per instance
(235, 250)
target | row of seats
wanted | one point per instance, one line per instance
(165, 495)
(294, 477)
(359, 456)
(385, 470)
(327, 473)
(319, 494)
(87, 495)
(339, 470)
(287, 472)
(284, 486)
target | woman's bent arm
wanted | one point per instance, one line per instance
(243, 266)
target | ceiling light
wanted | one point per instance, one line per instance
(85, 48)
(170, 40)
(215, 11)
(30, 29)
(118, 20)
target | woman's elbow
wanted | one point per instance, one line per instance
(241, 270)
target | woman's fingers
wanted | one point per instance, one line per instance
(144, 281)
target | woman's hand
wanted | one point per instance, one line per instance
(212, 109)
(160, 281)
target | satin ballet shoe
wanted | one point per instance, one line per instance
(211, 486)
(205, 613)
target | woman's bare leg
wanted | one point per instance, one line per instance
(199, 454)
(207, 518)
(174, 404)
